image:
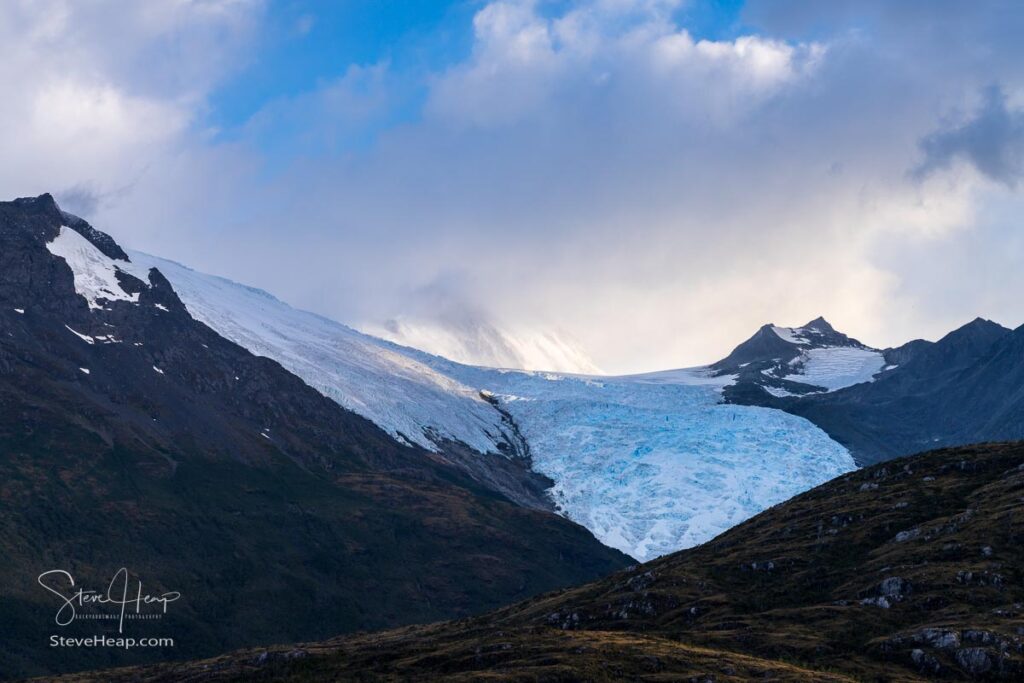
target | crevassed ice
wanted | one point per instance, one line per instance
(655, 463)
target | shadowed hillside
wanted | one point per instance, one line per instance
(904, 571)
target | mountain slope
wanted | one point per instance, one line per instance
(906, 571)
(649, 464)
(134, 436)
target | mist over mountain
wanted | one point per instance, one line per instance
(473, 340)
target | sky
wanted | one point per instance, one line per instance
(602, 185)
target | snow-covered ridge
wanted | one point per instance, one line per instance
(369, 376)
(793, 335)
(95, 273)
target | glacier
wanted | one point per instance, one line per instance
(650, 464)
(654, 463)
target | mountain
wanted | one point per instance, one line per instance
(649, 464)
(791, 361)
(905, 571)
(133, 435)
(965, 388)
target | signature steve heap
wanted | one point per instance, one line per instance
(123, 598)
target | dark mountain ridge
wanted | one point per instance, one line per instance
(133, 436)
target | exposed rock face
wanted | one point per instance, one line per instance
(974, 660)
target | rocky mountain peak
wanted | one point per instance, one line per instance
(45, 218)
(819, 324)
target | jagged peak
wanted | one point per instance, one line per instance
(41, 204)
(819, 324)
(46, 206)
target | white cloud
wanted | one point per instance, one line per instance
(596, 170)
(100, 92)
(523, 63)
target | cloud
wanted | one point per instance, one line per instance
(992, 141)
(593, 170)
(99, 93)
(524, 62)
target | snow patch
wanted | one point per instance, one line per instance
(793, 335)
(84, 337)
(700, 376)
(95, 273)
(836, 367)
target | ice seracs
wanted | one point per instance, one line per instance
(654, 463)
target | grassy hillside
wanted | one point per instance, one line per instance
(905, 571)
